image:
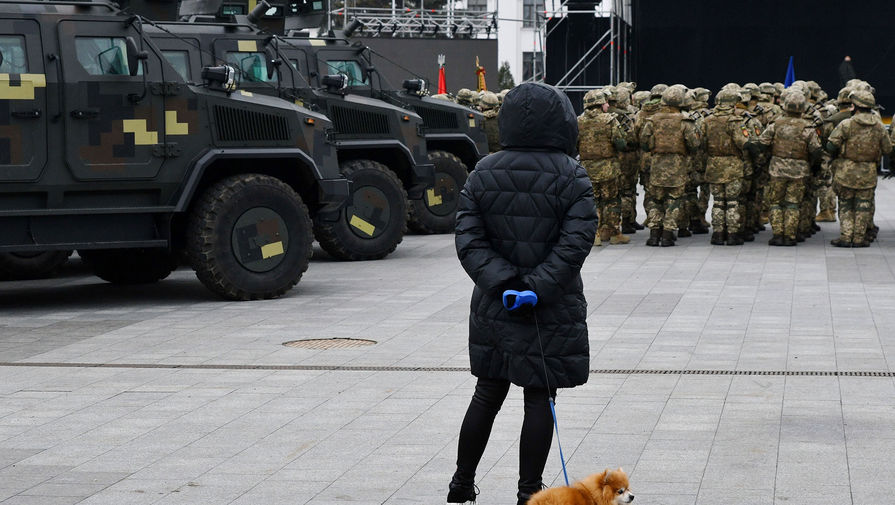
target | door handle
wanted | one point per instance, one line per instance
(26, 114)
(84, 114)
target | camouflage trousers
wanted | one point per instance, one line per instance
(825, 195)
(808, 206)
(689, 204)
(784, 197)
(855, 213)
(664, 207)
(726, 206)
(628, 186)
(608, 204)
(749, 212)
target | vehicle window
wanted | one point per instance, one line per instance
(350, 68)
(251, 66)
(102, 55)
(14, 58)
(180, 60)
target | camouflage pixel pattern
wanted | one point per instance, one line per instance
(784, 195)
(861, 140)
(608, 204)
(492, 132)
(792, 139)
(669, 136)
(855, 213)
(664, 207)
(726, 212)
(725, 137)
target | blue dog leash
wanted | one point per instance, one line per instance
(530, 298)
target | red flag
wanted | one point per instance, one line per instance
(442, 84)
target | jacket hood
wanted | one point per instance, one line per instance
(535, 115)
(865, 118)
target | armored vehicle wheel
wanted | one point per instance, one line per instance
(436, 211)
(130, 266)
(374, 221)
(249, 237)
(31, 265)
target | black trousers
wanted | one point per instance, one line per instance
(534, 445)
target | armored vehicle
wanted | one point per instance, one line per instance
(106, 148)
(380, 147)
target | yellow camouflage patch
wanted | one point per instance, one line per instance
(247, 46)
(27, 83)
(142, 136)
(172, 127)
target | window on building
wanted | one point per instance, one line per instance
(532, 65)
(102, 55)
(532, 13)
(12, 47)
(477, 5)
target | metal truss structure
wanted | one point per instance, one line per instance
(447, 23)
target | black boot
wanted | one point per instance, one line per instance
(628, 227)
(790, 242)
(717, 238)
(776, 240)
(683, 232)
(697, 228)
(638, 226)
(461, 492)
(735, 239)
(745, 236)
(667, 238)
(653, 240)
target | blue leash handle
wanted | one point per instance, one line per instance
(558, 443)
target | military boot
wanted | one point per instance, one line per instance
(667, 239)
(605, 234)
(638, 226)
(861, 243)
(776, 240)
(745, 236)
(790, 241)
(826, 216)
(717, 238)
(618, 238)
(683, 232)
(736, 239)
(653, 240)
(628, 227)
(697, 228)
(841, 242)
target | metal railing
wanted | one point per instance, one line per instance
(419, 23)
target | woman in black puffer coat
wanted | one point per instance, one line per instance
(526, 221)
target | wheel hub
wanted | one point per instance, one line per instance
(260, 239)
(368, 213)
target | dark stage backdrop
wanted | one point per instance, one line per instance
(421, 56)
(710, 42)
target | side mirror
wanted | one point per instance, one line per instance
(273, 61)
(415, 86)
(134, 56)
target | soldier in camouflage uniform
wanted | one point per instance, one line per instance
(638, 98)
(619, 99)
(826, 195)
(600, 140)
(794, 146)
(647, 109)
(698, 223)
(749, 212)
(808, 207)
(770, 111)
(695, 170)
(858, 143)
(670, 137)
(491, 110)
(725, 137)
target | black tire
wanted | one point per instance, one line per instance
(436, 212)
(227, 226)
(130, 266)
(31, 265)
(373, 222)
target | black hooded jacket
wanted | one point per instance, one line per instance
(526, 220)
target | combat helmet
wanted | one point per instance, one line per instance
(844, 95)
(639, 97)
(489, 101)
(701, 95)
(657, 90)
(675, 96)
(794, 102)
(502, 94)
(619, 95)
(630, 86)
(769, 90)
(595, 98)
(727, 97)
(862, 98)
(465, 96)
(753, 89)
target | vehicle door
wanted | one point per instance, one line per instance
(23, 101)
(114, 120)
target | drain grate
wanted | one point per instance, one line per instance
(329, 343)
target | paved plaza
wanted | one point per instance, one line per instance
(721, 376)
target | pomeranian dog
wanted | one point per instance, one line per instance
(607, 488)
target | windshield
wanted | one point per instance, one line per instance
(252, 66)
(350, 68)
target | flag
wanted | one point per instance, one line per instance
(480, 76)
(442, 83)
(790, 74)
